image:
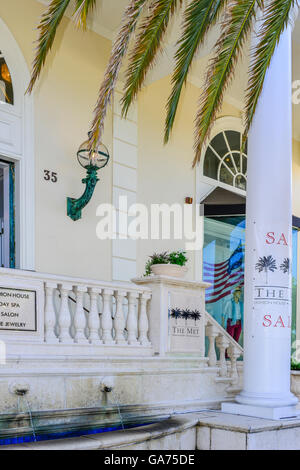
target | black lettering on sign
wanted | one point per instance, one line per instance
(50, 176)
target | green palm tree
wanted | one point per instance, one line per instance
(266, 263)
(150, 19)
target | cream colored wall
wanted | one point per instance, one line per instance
(63, 103)
(165, 172)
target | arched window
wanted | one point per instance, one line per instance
(6, 86)
(224, 161)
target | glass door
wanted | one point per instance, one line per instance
(7, 215)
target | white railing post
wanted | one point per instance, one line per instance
(64, 318)
(234, 354)
(106, 317)
(143, 322)
(222, 344)
(93, 317)
(50, 316)
(212, 333)
(119, 318)
(79, 316)
(131, 324)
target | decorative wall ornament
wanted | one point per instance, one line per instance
(92, 161)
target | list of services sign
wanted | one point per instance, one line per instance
(17, 309)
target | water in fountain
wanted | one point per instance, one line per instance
(119, 410)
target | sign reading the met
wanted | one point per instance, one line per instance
(18, 310)
(186, 323)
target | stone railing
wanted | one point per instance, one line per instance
(78, 311)
(219, 339)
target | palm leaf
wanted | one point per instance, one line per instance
(276, 17)
(147, 44)
(199, 17)
(235, 30)
(47, 30)
(82, 10)
(119, 49)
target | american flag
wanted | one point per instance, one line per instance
(225, 276)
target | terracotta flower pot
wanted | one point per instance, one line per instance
(172, 270)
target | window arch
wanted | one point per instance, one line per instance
(6, 85)
(224, 161)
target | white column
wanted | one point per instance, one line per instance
(267, 325)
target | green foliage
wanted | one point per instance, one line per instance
(178, 257)
(295, 365)
(152, 19)
(175, 257)
(147, 44)
(199, 17)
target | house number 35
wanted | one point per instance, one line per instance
(50, 176)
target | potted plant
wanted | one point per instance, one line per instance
(167, 264)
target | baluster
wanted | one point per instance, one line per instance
(119, 319)
(131, 324)
(143, 323)
(50, 317)
(212, 333)
(79, 316)
(234, 353)
(93, 317)
(64, 318)
(106, 317)
(222, 344)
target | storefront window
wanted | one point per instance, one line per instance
(6, 88)
(223, 268)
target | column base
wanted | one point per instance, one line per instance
(266, 412)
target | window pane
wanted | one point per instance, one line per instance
(234, 139)
(6, 88)
(219, 144)
(237, 159)
(211, 164)
(225, 176)
(240, 182)
(223, 268)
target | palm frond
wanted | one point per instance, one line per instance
(276, 18)
(82, 10)
(47, 30)
(199, 17)
(236, 27)
(119, 49)
(147, 45)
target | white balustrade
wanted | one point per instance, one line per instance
(227, 346)
(79, 320)
(119, 318)
(93, 317)
(131, 324)
(64, 317)
(106, 319)
(143, 323)
(50, 316)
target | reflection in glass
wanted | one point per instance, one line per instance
(6, 88)
(223, 268)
